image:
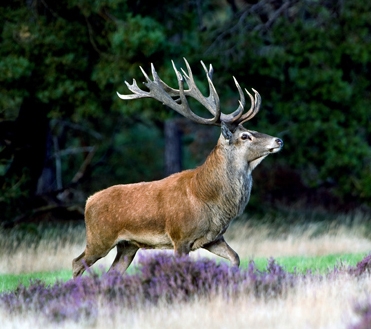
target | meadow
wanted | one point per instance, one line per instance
(302, 275)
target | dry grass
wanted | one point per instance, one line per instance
(326, 304)
(321, 304)
(311, 240)
(56, 253)
(51, 254)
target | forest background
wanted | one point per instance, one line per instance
(65, 134)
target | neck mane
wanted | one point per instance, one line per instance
(223, 182)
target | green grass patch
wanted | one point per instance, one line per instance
(316, 264)
(12, 281)
(297, 264)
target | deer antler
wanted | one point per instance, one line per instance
(160, 91)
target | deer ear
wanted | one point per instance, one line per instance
(227, 134)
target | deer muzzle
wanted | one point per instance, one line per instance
(279, 146)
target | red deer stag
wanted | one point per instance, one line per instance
(187, 210)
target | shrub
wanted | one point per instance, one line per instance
(163, 278)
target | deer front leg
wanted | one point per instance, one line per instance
(125, 255)
(221, 248)
(182, 249)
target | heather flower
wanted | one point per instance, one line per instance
(362, 267)
(163, 278)
(363, 310)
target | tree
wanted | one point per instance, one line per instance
(60, 65)
(62, 128)
(310, 62)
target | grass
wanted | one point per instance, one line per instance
(284, 301)
(46, 254)
(12, 281)
(320, 264)
(299, 264)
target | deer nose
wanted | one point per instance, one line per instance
(279, 142)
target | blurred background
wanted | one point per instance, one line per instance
(64, 133)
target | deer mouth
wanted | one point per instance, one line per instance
(274, 149)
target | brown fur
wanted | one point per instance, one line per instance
(185, 211)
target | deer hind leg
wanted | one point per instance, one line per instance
(82, 262)
(90, 255)
(125, 255)
(222, 249)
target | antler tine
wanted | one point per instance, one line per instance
(233, 118)
(236, 115)
(211, 71)
(145, 74)
(137, 92)
(254, 109)
(183, 99)
(214, 97)
(187, 112)
(211, 103)
(156, 78)
(258, 101)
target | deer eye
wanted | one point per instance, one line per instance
(245, 136)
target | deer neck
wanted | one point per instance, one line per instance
(224, 183)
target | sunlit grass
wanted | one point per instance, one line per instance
(12, 281)
(315, 264)
(46, 253)
(269, 299)
(34, 253)
(294, 264)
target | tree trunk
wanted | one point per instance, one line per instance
(47, 181)
(26, 148)
(173, 147)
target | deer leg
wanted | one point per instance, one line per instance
(82, 262)
(92, 253)
(222, 249)
(125, 255)
(182, 249)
